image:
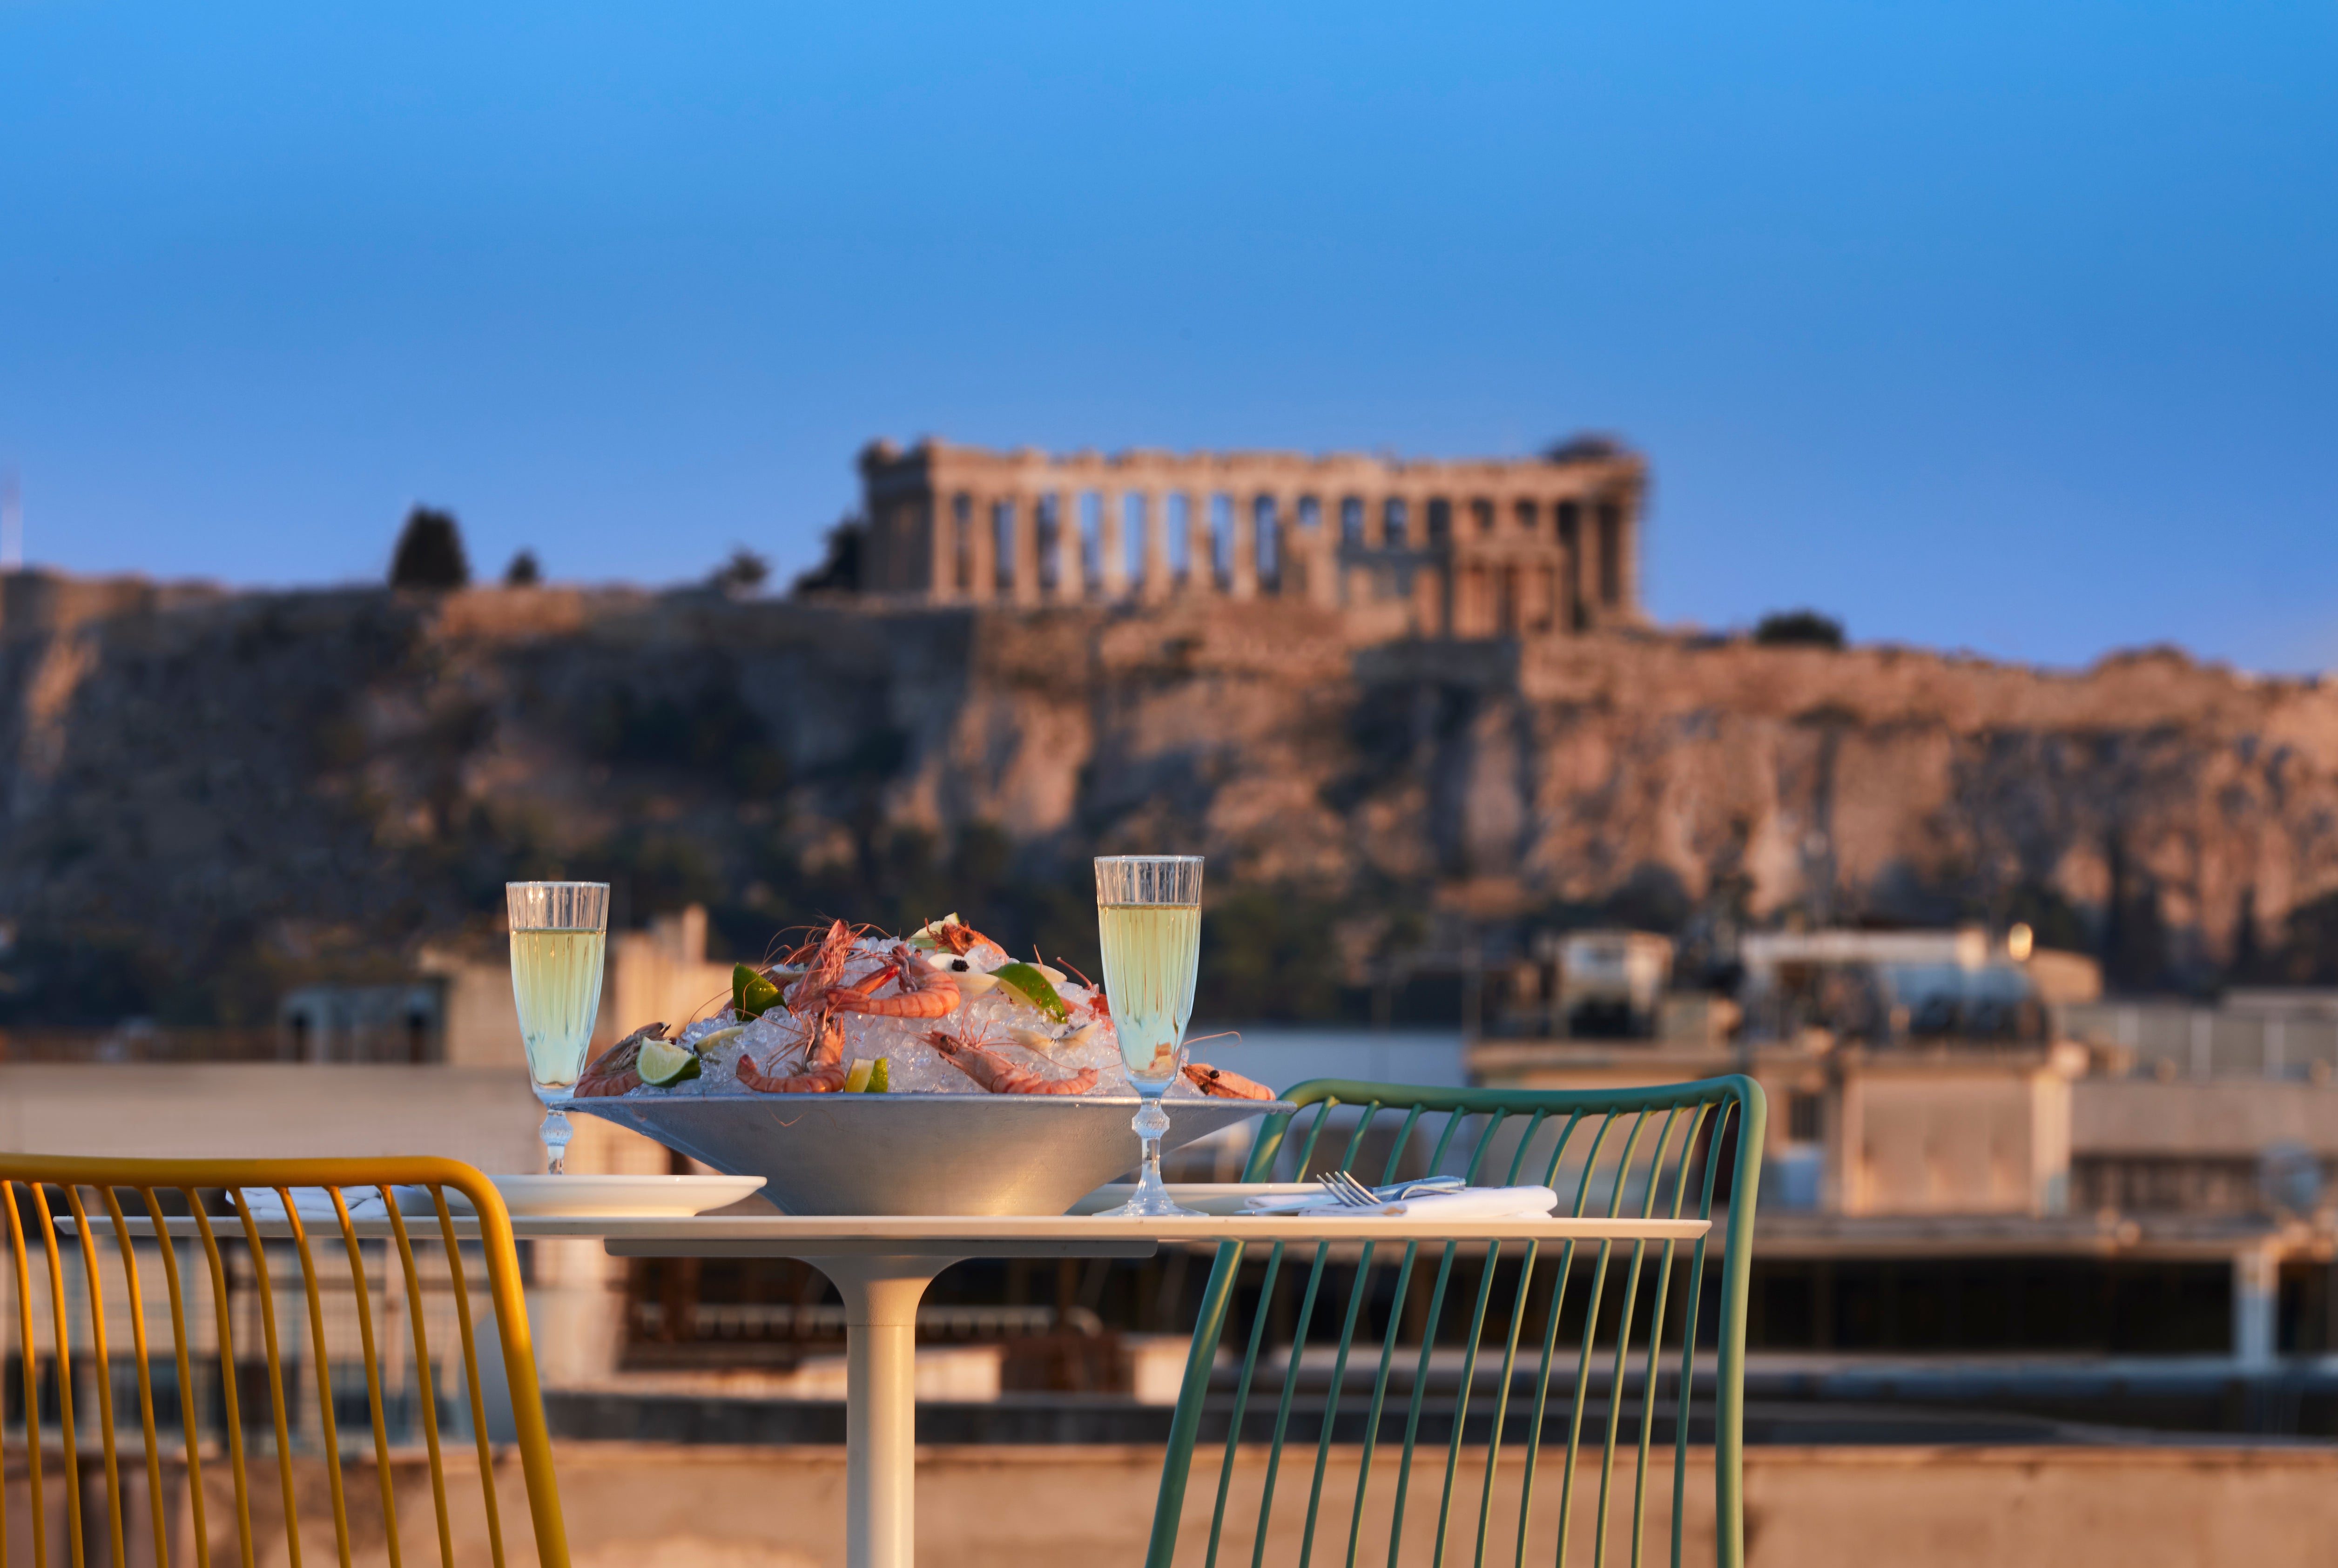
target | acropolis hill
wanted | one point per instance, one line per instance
(209, 794)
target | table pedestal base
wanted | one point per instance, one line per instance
(882, 1279)
(880, 1409)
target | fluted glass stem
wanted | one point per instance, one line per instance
(1151, 1201)
(555, 1132)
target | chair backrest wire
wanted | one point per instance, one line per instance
(1452, 1359)
(182, 1204)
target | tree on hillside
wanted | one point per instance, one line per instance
(840, 571)
(429, 551)
(1799, 629)
(523, 572)
(744, 572)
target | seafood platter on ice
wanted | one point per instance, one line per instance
(863, 1074)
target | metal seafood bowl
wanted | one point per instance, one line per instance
(915, 1153)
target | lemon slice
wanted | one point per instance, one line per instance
(662, 1063)
(927, 938)
(856, 1082)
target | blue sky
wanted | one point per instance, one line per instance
(2001, 327)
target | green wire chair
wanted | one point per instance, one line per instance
(1355, 1354)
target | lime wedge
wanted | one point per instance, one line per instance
(857, 1079)
(752, 996)
(662, 1063)
(1027, 981)
(879, 1081)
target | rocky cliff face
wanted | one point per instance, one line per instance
(208, 796)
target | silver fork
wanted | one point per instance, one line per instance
(1346, 1191)
(1350, 1194)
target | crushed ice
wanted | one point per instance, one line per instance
(998, 1019)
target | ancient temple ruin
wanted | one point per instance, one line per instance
(1471, 548)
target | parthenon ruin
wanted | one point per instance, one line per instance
(1474, 548)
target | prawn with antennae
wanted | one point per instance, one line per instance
(979, 1061)
(920, 991)
(824, 1070)
(1219, 1084)
(614, 1070)
(822, 991)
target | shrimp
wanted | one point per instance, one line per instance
(1000, 1076)
(950, 934)
(924, 991)
(612, 1071)
(1225, 1085)
(823, 1073)
(824, 962)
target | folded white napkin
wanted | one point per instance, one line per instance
(1470, 1204)
(316, 1203)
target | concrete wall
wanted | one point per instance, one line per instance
(257, 1110)
(1968, 1138)
(1961, 1133)
(1806, 1508)
(635, 1506)
(2230, 1117)
(2046, 1507)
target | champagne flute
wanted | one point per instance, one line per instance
(1149, 917)
(558, 934)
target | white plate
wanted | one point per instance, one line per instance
(616, 1196)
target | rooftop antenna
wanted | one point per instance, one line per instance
(12, 522)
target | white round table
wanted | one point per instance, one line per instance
(882, 1264)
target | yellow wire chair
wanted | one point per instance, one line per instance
(153, 1210)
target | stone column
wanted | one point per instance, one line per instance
(1293, 546)
(1627, 550)
(1596, 559)
(1201, 555)
(941, 548)
(981, 547)
(1444, 579)
(1292, 569)
(1024, 524)
(1570, 560)
(1289, 545)
(1072, 569)
(1112, 569)
(1156, 585)
(1241, 578)
(1344, 584)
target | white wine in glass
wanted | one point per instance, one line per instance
(1151, 951)
(1149, 922)
(559, 935)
